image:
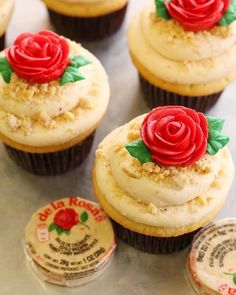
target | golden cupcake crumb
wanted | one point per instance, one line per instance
(86, 103)
(20, 89)
(26, 125)
(44, 119)
(131, 171)
(149, 167)
(216, 183)
(13, 122)
(118, 147)
(133, 135)
(201, 202)
(152, 208)
(175, 30)
(69, 116)
(134, 126)
(123, 152)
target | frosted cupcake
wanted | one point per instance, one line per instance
(211, 263)
(163, 176)
(53, 95)
(88, 20)
(185, 53)
(6, 8)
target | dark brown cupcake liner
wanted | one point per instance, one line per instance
(153, 245)
(155, 97)
(2, 42)
(87, 29)
(52, 163)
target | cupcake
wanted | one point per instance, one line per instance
(185, 53)
(163, 176)
(69, 242)
(85, 20)
(53, 95)
(6, 8)
(211, 263)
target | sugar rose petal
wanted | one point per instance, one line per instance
(39, 58)
(175, 135)
(197, 15)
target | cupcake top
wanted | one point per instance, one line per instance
(6, 8)
(164, 46)
(69, 241)
(170, 162)
(211, 263)
(53, 92)
(85, 8)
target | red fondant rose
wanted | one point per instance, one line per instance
(66, 218)
(39, 58)
(197, 15)
(175, 135)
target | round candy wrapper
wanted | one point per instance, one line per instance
(69, 242)
(211, 265)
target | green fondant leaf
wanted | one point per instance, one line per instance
(210, 149)
(161, 9)
(83, 217)
(230, 14)
(215, 126)
(5, 69)
(67, 232)
(139, 150)
(216, 141)
(79, 61)
(214, 145)
(59, 230)
(234, 280)
(52, 226)
(71, 74)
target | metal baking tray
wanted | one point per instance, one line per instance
(131, 271)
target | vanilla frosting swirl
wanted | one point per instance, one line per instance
(165, 49)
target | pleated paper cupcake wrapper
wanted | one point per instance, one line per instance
(87, 29)
(153, 245)
(155, 97)
(52, 163)
(2, 42)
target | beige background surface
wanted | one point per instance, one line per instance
(131, 272)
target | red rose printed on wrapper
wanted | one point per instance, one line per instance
(66, 218)
(177, 136)
(198, 15)
(41, 58)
